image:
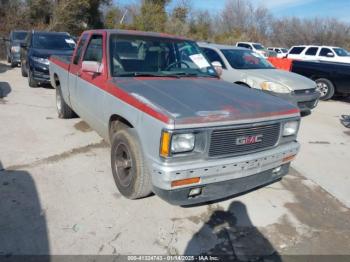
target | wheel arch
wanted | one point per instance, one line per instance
(242, 84)
(116, 122)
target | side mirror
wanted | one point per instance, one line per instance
(218, 67)
(23, 45)
(330, 54)
(92, 67)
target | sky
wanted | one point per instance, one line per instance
(282, 8)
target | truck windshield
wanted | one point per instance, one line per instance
(19, 36)
(341, 52)
(245, 59)
(54, 42)
(133, 55)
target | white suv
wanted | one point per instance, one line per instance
(256, 47)
(321, 53)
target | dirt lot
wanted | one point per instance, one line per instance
(57, 195)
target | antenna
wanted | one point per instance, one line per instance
(122, 20)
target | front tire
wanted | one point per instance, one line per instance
(31, 81)
(23, 71)
(325, 87)
(129, 169)
(63, 110)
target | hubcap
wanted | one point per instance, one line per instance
(58, 101)
(123, 164)
(322, 88)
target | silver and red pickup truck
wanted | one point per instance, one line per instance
(174, 127)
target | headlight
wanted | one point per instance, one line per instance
(290, 128)
(274, 87)
(15, 49)
(40, 60)
(182, 143)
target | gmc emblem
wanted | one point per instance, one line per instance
(248, 140)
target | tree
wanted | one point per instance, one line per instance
(113, 17)
(40, 11)
(152, 16)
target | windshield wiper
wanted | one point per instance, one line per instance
(179, 74)
(135, 74)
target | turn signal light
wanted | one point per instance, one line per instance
(165, 144)
(183, 182)
(288, 158)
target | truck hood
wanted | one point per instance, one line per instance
(189, 101)
(46, 53)
(289, 79)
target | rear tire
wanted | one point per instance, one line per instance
(326, 88)
(14, 64)
(8, 59)
(63, 110)
(129, 169)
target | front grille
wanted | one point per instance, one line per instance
(305, 91)
(224, 142)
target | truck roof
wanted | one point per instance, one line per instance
(135, 32)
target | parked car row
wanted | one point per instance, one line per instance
(31, 50)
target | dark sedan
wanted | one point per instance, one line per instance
(36, 51)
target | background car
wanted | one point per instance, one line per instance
(281, 52)
(244, 67)
(320, 53)
(13, 46)
(256, 47)
(36, 51)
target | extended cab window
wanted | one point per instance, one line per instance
(132, 55)
(325, 51)
(245, 46)
(94, 51)
(311, 51)
(80, 49)
(213, 56)
(296, 50)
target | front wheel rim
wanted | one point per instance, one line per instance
(323, 88)
(58, 101)
(123, 164)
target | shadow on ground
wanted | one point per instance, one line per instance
(4, 67)
(236, 238)
(22, 220)
(5, 89)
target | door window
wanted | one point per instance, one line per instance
(312, 51)
(325, 51)
(80, 49)
(94, 51)
(213, 56)
(296, 50)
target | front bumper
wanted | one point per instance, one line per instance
(221, 190)
(41, 73)
(214, 173)
(15, 58)
(305, 101)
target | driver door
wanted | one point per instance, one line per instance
(90, 87)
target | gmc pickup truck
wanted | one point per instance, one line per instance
(174, 127)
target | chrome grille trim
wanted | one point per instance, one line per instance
(223, 141)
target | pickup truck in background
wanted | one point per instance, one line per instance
(174, 127)
(331, 78)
